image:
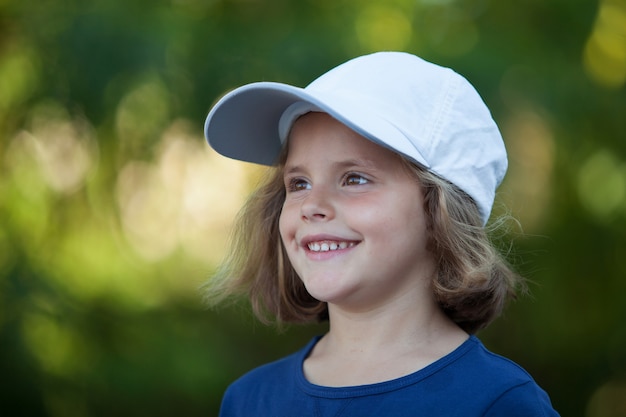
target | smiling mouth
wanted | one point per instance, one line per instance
(327, 246)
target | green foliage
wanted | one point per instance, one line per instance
(113, 211)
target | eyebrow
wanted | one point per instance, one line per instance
(348, 163)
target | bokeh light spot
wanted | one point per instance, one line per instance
(57, 347)
(381, 27)
(450, 30)
(602, 184)
(530, 144)
(65, 149)
(18, 75)
(186, 198)
(608, 401)
(142, 112)
(604, 55)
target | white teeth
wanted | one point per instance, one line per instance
(328, 246)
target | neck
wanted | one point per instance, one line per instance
(364, 347)
(399, 326)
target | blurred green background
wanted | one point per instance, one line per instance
(113, 210)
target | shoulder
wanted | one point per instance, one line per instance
(512, 390)
(268, 374)
(523, 400)
(493, 368)
(261, 388)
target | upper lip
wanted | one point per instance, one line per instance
(306, 240)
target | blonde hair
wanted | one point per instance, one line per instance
(472, 284)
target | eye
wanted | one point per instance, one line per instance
(297, 184)
(355, 179)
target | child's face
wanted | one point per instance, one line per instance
(352, 223)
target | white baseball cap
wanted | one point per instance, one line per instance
(427, 113)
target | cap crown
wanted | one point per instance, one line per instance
(434, 116)
(428, 113)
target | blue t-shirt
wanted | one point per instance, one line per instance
(470, 381)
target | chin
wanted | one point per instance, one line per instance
(326, 293)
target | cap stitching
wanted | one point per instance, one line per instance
(444, 103)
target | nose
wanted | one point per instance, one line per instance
(318, 205)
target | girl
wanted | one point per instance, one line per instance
(385, 172)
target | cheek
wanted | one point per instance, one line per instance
(407, 222)
(375, 217)
(284, 223)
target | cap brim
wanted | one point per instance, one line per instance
(244, 123)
